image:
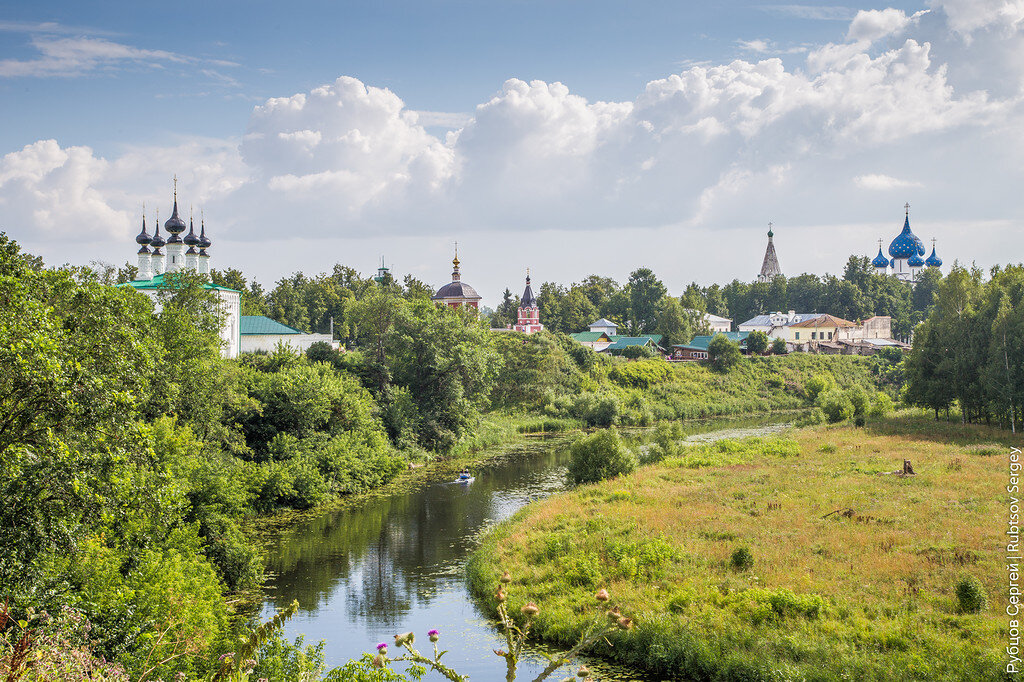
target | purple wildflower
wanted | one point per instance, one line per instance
(382, 645)
(434, 632)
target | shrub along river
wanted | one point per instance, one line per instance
(397, 563)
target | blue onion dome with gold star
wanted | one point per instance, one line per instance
(915, 261)
(880, 260)
(933, 261)
(907, 243)
(143, 239)
(157, 240)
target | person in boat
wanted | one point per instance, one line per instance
(464, 475)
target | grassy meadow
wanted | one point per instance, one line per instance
(853, 572)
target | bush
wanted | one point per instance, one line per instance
(723, 353)
(600, 456)
(778, 347)
(881, 406)
(757, 343)
(970, 594)
(741, 559)
(860, 400)
(818, 384)
(641, 374)
(836, 406)
(634, 352)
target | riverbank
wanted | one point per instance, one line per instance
(853, 572)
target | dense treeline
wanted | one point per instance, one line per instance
(969, 352)
(640, 306)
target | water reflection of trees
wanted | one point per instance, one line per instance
(389, 555)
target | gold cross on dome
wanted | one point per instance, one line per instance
(906, 206)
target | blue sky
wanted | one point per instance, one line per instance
(595, 128)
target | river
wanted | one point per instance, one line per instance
(396, 563)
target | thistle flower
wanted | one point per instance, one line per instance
(499, 652)
(614, 614)
(625, 623)
(382, 648)
(506, 577)
(434, 635)
(602, 595)
(378, 661)
(499, 594)
(530, 609)
(401, 640)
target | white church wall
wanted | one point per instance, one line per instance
(251, 343)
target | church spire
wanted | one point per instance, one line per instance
(455, 263)
(770, 267)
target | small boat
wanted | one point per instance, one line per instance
(465, 477)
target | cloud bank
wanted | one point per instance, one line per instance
(898, 108)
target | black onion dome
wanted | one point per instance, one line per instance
(191, 239)
(528, 300)
(157, 240)
(175, 225)
(456, 290)
(204, 241)
(143, 237)
(144, 249)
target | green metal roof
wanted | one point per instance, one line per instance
(655, 338)
(702, 342)
(588, 336)
(158, 283)
(258, 324)
(626, 341)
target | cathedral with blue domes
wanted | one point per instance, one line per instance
(906, 255)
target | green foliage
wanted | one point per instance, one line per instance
(741, 559)
(818, 384)
(778, 347)
(970, 595)
(599, 456)
(836, 405)
(723, 353)
(969, 352)
(641, 374)
(757, 343)
(881, 406)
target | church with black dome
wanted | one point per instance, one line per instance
(457, 294)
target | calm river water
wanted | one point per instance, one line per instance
(397, 563)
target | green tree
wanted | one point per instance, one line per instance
(757, 343)
(600, 456)
(646, 293)
(723, 353)
(507, 312)
(778, 347)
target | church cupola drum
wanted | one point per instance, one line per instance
(457, 294)
(770, 268)
(529, 311)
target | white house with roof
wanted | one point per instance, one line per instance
(259, 333)
(715, 323)
(774, 324)
(605, 326)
